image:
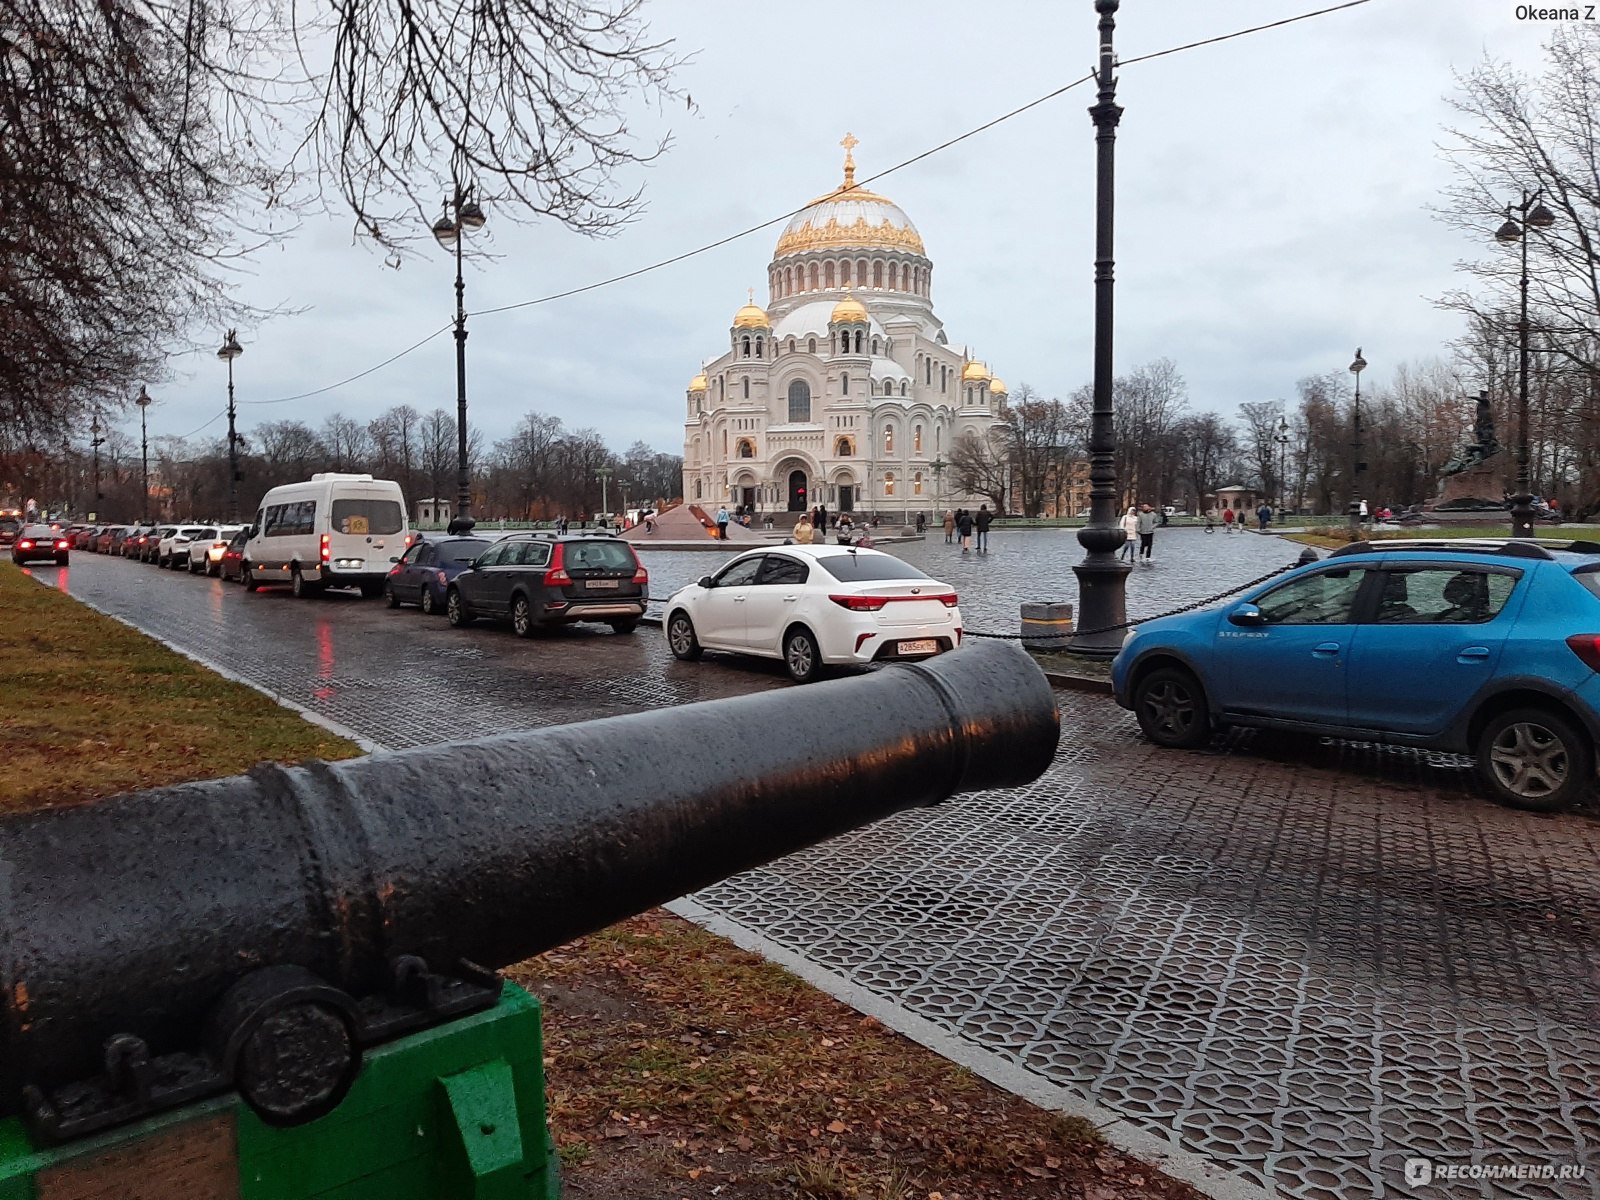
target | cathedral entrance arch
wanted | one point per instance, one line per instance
(797, 491)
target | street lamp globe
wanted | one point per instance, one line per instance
(143, 399)
(230, 347)
(1509, 232)
(471, 215)
(1359, 365)
(1541, 217)
(446, 231)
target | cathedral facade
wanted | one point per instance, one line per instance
(844, 389)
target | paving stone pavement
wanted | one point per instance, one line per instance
(1307, 961)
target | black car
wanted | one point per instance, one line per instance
(10, 527)
(426, 569)
(536, 580)
(36, 543)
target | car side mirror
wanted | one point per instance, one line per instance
(1247, 614)
(705, 581)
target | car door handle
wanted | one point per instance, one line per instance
(1473, 654)
(738, 599)
(1326, 649)
(791, 597)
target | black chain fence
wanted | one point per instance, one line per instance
(1182, 608)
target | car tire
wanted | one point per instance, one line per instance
(1535, 759)
(1172, 709)
(371, 590)
(426, 602)
(802, 657)
(681, 639)
(624, 625)
(455, 610)
(61, 560)
(247, 578)
(299, 587)
(213, 570)
(389, 597)
(522, 617)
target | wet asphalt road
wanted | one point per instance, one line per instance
(1305, 961)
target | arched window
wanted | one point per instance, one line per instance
(758, 346)
(813, 277)
(745, 449)
(929, 373)
(747, 387)
(799, 402)
(888, 439)
(844, 273)
(916, 440)
(938, 439)
(744, 346)
(844, 384)
(858, 341)
(969, 395)
(861, 272)
(944, 376)
(894, 277)
(791, 345)
(811, 346)
(916, 484)
(842, 450)
(827, 275)
(874, 345)
(788, 280)
(888, 483)
(699, 406)
(902, 387)
(697, 489)
(877, 274)
(724, 443)
(721, 391)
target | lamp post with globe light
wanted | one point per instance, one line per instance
(1535, 216)
(462, 215)
(604, 475)
(1356, 464)
(1282, 438)
(230, 351)
(143, 401)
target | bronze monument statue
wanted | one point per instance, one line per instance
(1475, 479)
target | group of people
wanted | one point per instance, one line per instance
(964, 523)
(1139, 525)
(1231, 519)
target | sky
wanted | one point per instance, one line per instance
(1272, 213)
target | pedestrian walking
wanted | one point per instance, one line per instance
(1211, 520)
(949, 527)
(804, 530)
(981, 523)
(964, 527)
(1130, 532)
(922, 524)
(1264, 514)
(1227, 520)
(822, 521)
(1147, 531)
(722, 523)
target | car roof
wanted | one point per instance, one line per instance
(805, 551)
(1571, 553)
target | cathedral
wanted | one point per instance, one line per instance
(844, 390)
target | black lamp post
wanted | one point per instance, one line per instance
(1102, 580)
(143, 401)
(1537, 216)
(230, 351)
(1356, 464)
(95, 442)
(1282, 438)
(461, 215)
(603, 474)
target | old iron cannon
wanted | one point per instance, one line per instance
(264, 934)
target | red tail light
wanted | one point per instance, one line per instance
(641, 575)
(323, 547)
(395, 570)
(62, 544)
(948, 599)
(25, 544)
(557, 576)
(1587, 647)
(860, 603)
(219, 545)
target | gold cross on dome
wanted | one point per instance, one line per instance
(849, 142)
(751, 292)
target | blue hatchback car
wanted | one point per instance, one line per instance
(426, 569)
(1484, 647)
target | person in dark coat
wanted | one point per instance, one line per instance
(981, 523)
(822, 519)
(964, 527)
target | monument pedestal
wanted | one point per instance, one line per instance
(1479, 488)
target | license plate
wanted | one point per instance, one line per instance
(603, 583)
(924, 646)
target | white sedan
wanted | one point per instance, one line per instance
(812, 606)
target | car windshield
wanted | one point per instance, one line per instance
(368, 516)
(38, 531)
(10, 524)
(867, 568)
(463, 551)
(597, 556)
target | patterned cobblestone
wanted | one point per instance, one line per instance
(1306, 960)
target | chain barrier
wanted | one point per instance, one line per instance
(1182, 608)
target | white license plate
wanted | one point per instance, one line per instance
(924, 646)
(603, 583)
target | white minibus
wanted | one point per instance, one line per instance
(333, 531)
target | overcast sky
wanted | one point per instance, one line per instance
(1271, 214)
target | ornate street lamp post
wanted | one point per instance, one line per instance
(230, 351)
(937, 466)
(1356, 465)
(1282, 438)
(95, 442)
(1536, 216)
(1102, 580)
(143, 401)
(603, 474)
(461, 215)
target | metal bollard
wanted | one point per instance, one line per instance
(1046, 626)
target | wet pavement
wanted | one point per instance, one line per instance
(1305, 961)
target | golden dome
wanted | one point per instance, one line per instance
(752, 315)
(974, 372)
(699, 383)
(849, 309)
(997, 387)
(850, 217)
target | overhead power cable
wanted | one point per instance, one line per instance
(753, 229)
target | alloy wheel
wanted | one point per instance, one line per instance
(1529, 760)
(521, 618)
(1171, 707)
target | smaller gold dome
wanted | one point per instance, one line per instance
(849, 309)
(997, 386)
(974, 372)
(752, 315)
(699, 383)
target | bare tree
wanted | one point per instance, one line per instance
(981, 466)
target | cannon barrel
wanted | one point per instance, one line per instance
(135, 915)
